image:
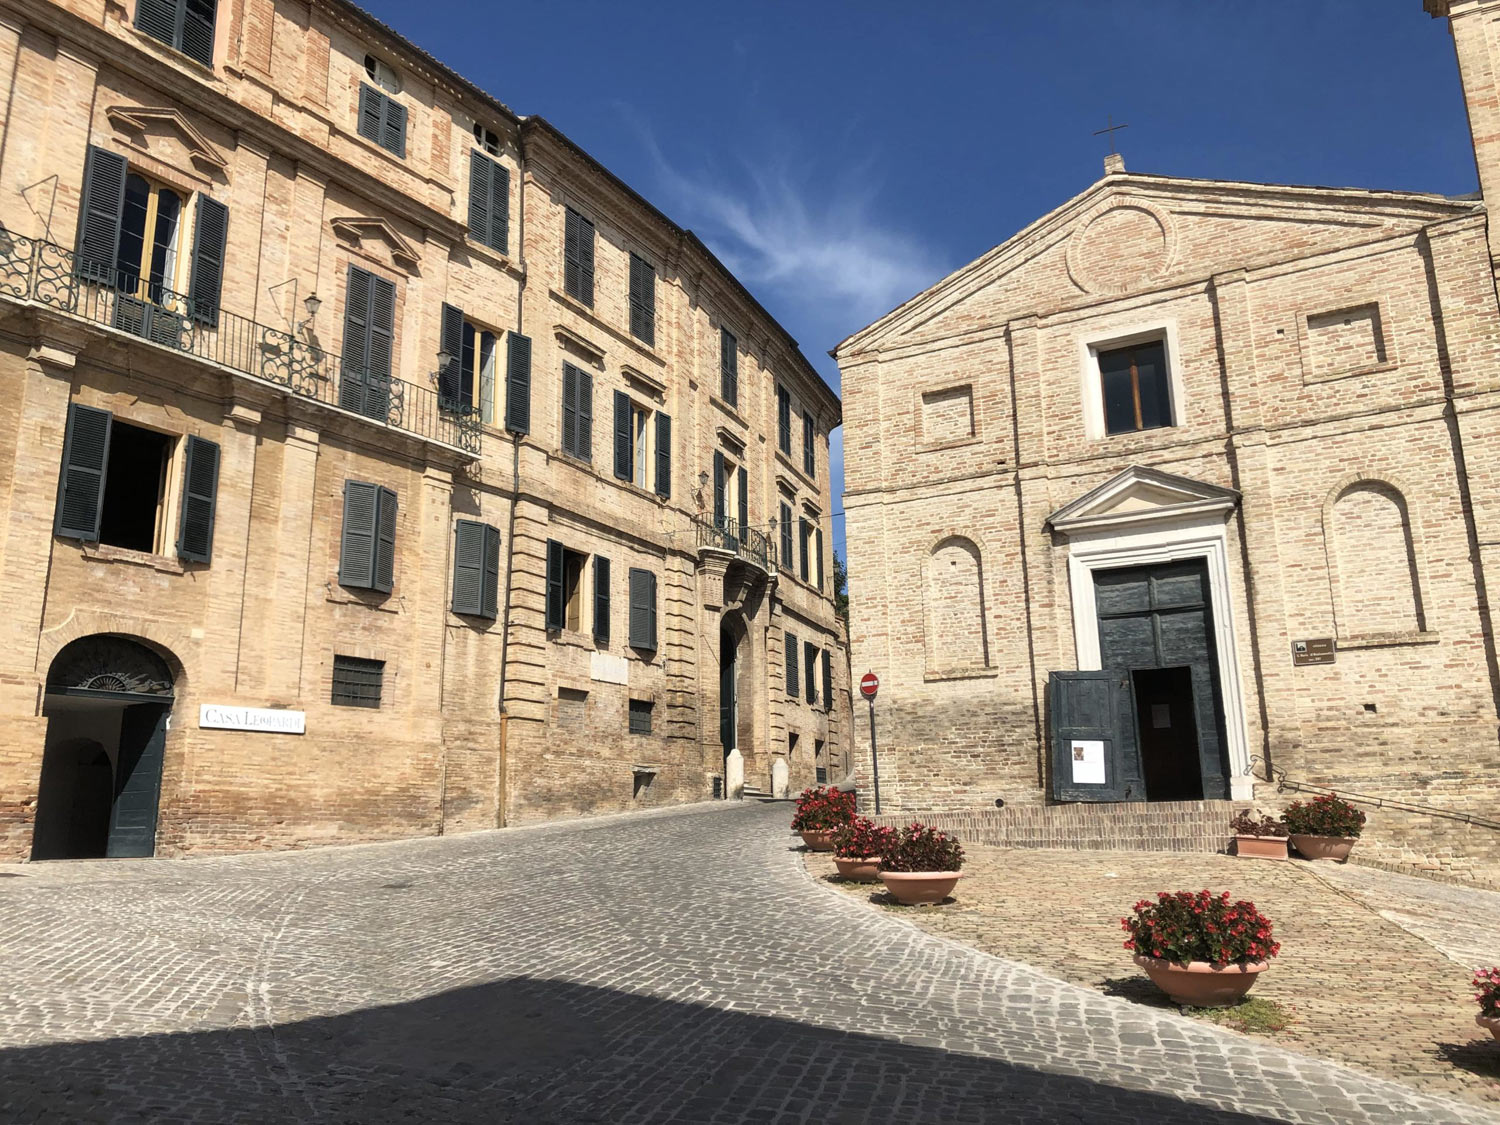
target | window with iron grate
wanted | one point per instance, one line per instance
(357, 682)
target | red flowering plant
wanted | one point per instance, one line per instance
(1247, 825)
(1324, 816)
(1185, 927)
(1487, 981)
(918, 847)
(822, 808)
(861, 838)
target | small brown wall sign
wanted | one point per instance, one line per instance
(1318, 650)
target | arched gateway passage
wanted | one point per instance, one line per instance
(107, 702)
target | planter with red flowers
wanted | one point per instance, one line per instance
(1487, 982)
(1200, 949)
(920, 864)
(1258, 838)
(1323, 828)
(857, 848)
(821, 811)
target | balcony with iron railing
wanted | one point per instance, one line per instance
(742, 541)
(42, 273)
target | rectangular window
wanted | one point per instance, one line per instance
(476, 569)
(632, 441)
(578, 413)
(382, 119)
(574, 564)
(809, 446)
(804, 550)
(789, 655)
(642, 300)
(663, 455)
(827, 680)
(640, 716)
(601, 600)
(489, 201)
(729, 367)
(786, 536)
(357, 682)
(367, 552)
(369, 334)
(818, 554)
(518, 383)
(810, 665)
(642, 610)
(1133, 382)
(784, 420)
(731, 495)
(578, 258)
(466, 382)
(185, 25)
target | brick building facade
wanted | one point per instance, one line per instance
(375, 463)
(1188, 485)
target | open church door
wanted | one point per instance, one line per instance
(1094, 752)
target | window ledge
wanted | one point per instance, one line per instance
(957, 443)
(495, 257)
(370, 599)
(103, 552)
(592, 316)
(1349, 373)
(1390, 639)
(940, 674)
(734, 415)
(796, 469)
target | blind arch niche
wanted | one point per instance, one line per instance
(956, 630)
(1374, 560)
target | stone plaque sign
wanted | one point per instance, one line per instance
(1319, 650)
(266, 720)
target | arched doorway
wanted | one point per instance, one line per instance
(107, 702)
(729, 720)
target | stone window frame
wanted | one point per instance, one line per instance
(973, 671)
(1091, 381)
(919, 399)
(1354, 302)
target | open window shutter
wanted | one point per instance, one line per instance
(198, 31)
(744, 500)
(642, 610)
(642, 300)
(718, 489)
(468, 567)
(663, 455)
(99, 214)
(793, 681)
(809, 670)
(385, 543)
(200, 489)
(818, 544)
(499, 208)
(158, 19)
(80, 489)
(803, 534)
(557, 605)
(572, 271)
(585, 415)
(356, 359)
(586, 261)
(622, 436)
(371, 113)
(451, 340)
(827, 679)
(393, 128)
(479, 197)
(490, 603)
(382, 328)
(206, 282)
(518, 383)
(809, 446)
(357, 551)
(786, 537)
(729, 367)
(570, 409)
(601, 599)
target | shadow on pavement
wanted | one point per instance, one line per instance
(1481, 1056)
(532, 1050)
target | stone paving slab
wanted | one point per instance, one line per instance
(1375, 966)
(658, 968)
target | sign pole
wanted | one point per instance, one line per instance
(869, 685)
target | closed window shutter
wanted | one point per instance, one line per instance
(557, 604)
(356, 331)
(642, 300)
(451, 340)
(827, 679)
(499, 208)
(744, 499)
(479, 197)
(80, 491)
(643, 610)
(663, 455)
(207, 279)
(490, 604)
(810, 667)
(578, 257)
(198, 30)
(622, 436)
(200, 489)
(369, 325)
(357, 551)
(809, 446)
(793, 681)
(786, 536)
(570, 410)
(585, 415)
(601, 599)
(818, 540)
(518, 384)
(371, 113)
(99, 214)
(468, 568)
(718, 489)
(385, 543)
(393, 128)
(158, 19)
(783, 420)
(586, 262)
(729, 367)
(382, 325)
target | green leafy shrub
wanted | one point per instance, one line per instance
(918, 847)
(1324, 816)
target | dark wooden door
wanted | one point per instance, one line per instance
(1160, 617)
(728, 667)
(1093, 726)
(132, 822)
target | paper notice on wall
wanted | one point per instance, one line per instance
(1088, 762)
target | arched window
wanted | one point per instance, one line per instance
(954, 595)
(1374, 562)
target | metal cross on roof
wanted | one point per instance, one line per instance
(1112, 129)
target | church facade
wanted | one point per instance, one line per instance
(1188, 489)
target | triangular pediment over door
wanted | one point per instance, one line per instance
(1142, 495)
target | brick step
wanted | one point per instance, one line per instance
(1167, 826)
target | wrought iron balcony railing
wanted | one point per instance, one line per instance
(748, 543)
(33, 270)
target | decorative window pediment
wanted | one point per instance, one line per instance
(147, 127)
(1142, 495)
(359, 230)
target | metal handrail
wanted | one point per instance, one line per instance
(746, 542)
(36, 271)
(1285, 784)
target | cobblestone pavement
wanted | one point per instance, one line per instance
(1375, 966)
(674, 967)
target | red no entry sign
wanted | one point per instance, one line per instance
(869, 685)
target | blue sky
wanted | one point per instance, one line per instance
(840, 156)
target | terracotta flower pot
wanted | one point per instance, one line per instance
(1323, 847)
(913, 887)
(818, 839)
(1490, 1024)
(858, 869)
(1260, 847)
(1199, 984)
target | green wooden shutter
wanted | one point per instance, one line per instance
(97, 247)
(393, 128)
(642, 610)
(159, 19)
(827, 680)
(663, 455)
(570, 410)
(557, 603)
(490, 604)
(818, 541)
(804, 531)
(793, 681)
(468, 568)
(357, 550)
(479, 197)
(371, 113)
(642, 300)
(499, 208)
(206, 282)
(451, 340)
(585, 416)
(729, 367)
(80, 487)
(200, 489)
(518, 383)
(578, 257)
(744, 500)
(718, 489)
(198, 30)
(601, 599)
(809, 446)
(810, 667)
(623, 466)
(385, 543)
(787, 559)
(356, 358)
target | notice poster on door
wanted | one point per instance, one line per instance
(1088, 762)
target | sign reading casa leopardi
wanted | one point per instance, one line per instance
(268, 720)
